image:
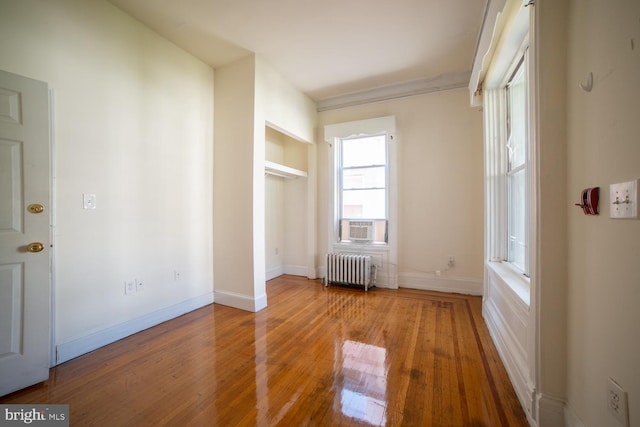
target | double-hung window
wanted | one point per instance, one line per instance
(363, 194)
(508, 157)
(516, 169)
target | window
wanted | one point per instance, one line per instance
(509, 193)
(363, 183)
(363, 192)
(510, 197)
(516, 169)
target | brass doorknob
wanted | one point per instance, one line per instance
(35, 247)
(35, 208)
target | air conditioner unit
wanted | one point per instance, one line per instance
(360, 231)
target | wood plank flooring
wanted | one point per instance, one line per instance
(315, 357)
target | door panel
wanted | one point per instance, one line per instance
(10, 186)
(10, 106)
(11, 305)
(25, 279)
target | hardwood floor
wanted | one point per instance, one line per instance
(316, 356)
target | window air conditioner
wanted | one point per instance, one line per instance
(360, 231)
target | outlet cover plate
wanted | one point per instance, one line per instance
(130, 287)
(623, 200)
(89, 201)
(617, 402)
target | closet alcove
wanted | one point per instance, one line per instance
(286, 204)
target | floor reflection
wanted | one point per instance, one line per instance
(363, 394)
(346, 306)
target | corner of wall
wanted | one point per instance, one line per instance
(241, 302)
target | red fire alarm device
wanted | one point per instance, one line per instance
(589, 200)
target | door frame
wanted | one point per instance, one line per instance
(53, 352)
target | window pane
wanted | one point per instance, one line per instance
(364, 151)
(517, 119)
(364, 204)
(516, 226)
(364, 178)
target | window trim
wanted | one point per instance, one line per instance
(496, 213)
(385, 254)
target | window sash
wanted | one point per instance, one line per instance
(516, 169)
(367, 198)
(516, 118)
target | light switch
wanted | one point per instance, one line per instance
(623, 200)
(89, 201)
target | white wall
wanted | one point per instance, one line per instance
(603, 148)
(440, 179)
(234, 230)
(133, 124)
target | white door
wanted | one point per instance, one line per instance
(25, 252)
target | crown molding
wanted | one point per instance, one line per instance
(399, 90)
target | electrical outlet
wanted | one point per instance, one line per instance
(176, 275)
(130, 287)
(89, 201)
(617, 402)
(452, 261)
(139, 286)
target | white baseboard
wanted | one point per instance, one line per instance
(78, 347)
(240, 301)
(430, 282)
(296, 270)
(274, 272)
(570, 418)
(550, 411)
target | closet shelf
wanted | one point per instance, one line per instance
(283, 171)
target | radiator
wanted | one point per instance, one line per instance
(350, 269)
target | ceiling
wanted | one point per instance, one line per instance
(324, 48)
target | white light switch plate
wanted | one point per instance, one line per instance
(623, 200)
(89, 201)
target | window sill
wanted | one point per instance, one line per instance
(515, 280)
(362, 245)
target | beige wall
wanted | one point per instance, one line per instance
(249, 95)
(133, 124)
(440, 182)
(282, 105)
(293, 114)
(603, 148)
(551, 275)
(274, 206)
(233, 181)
